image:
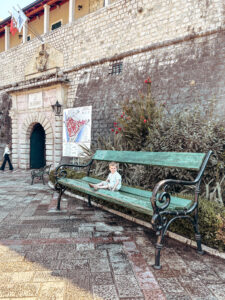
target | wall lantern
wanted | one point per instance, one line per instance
(80, 7)
(57, 108)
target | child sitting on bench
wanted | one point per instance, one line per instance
(113, 181)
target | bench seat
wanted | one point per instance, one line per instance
(132, 198)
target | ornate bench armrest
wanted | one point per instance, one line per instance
(164, 197)
(61, 170)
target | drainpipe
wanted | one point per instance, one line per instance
(46, 18)
(7, 38)
(71, 10)
(107, 2)
(25, 30)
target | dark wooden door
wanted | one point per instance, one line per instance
(37, 147)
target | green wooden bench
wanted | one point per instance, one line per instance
(158, 204)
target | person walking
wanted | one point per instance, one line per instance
(6, 154)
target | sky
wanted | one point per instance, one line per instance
(6, 5)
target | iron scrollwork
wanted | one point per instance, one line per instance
(61, 172)
(164, 199)
(163, 217)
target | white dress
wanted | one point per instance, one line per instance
(111, 181)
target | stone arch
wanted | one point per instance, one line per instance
(26, 130)
(34, 119)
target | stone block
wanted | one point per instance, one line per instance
(49, 152)
(49, 141)
(58, 129)
(25, 146)
(24, 156)
(49, 158)
(49, 136)
(58, 153)
(48, 131)
(49, 147)
(25, 151)
(58, 135)
(45, 123)
(41, 118)
(23, 165)
(58, 147)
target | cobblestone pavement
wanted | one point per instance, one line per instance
(87, 253)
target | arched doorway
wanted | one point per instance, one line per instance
(37, 147)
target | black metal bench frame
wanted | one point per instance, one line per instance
(39, 173)
(159, 201)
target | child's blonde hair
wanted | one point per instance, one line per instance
(114, 164)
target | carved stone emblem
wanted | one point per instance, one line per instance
(41, 60)
(46, 58)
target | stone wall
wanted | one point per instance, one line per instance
(122, 26)
(179, 44)
(183, 74)
(5, 121)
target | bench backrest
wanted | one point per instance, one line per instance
(184, 160)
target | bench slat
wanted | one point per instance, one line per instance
(167, 159)
(124, 197)
(126, 189)
(175, 201)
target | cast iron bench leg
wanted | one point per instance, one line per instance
(59, 199)
(158, 248)
(89, 201)
(62, 190)
(197, 235)
(199, 243)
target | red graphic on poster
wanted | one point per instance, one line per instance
(74, 126)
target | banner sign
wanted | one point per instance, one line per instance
(76, 130)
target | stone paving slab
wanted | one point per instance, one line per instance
(89, 254)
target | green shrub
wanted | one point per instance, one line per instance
(139, 116)
(211, 216)
(191, 131)
(52, 176)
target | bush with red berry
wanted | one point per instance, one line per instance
(137, 118)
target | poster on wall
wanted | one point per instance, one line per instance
(76, 130)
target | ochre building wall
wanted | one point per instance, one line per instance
(2, 44)
(61, 13)
(36, 27)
